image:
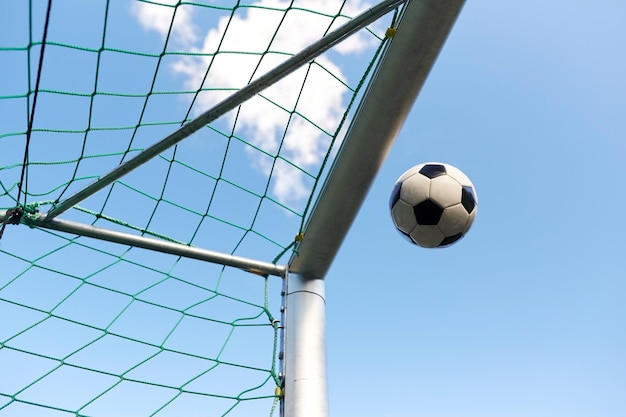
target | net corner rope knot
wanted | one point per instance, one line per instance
(13, 216)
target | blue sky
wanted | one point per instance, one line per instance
(523, 317)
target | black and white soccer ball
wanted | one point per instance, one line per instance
(433, 204)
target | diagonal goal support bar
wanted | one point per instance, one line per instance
(421, 34)
(230, 103)
(173, 248)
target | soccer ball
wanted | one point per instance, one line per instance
(433, 204)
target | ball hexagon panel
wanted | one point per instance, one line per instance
(445, 191)
(414, 189)
(458, 175)
(454, 220)
(427, 236)
(408, 173)
(403, 216)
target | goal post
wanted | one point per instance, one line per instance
(420, 35)
(305, 374)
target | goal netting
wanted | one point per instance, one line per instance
(90, 327)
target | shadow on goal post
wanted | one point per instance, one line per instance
(299, 374)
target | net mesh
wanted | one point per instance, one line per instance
(92, 328)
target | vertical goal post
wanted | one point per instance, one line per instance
(421, 34)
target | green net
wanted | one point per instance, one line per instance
(94, 328)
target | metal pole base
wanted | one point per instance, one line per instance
(306, 390)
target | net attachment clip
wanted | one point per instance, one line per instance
(390, 33)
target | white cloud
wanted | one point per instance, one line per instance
(320, 101)
(158, 18)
